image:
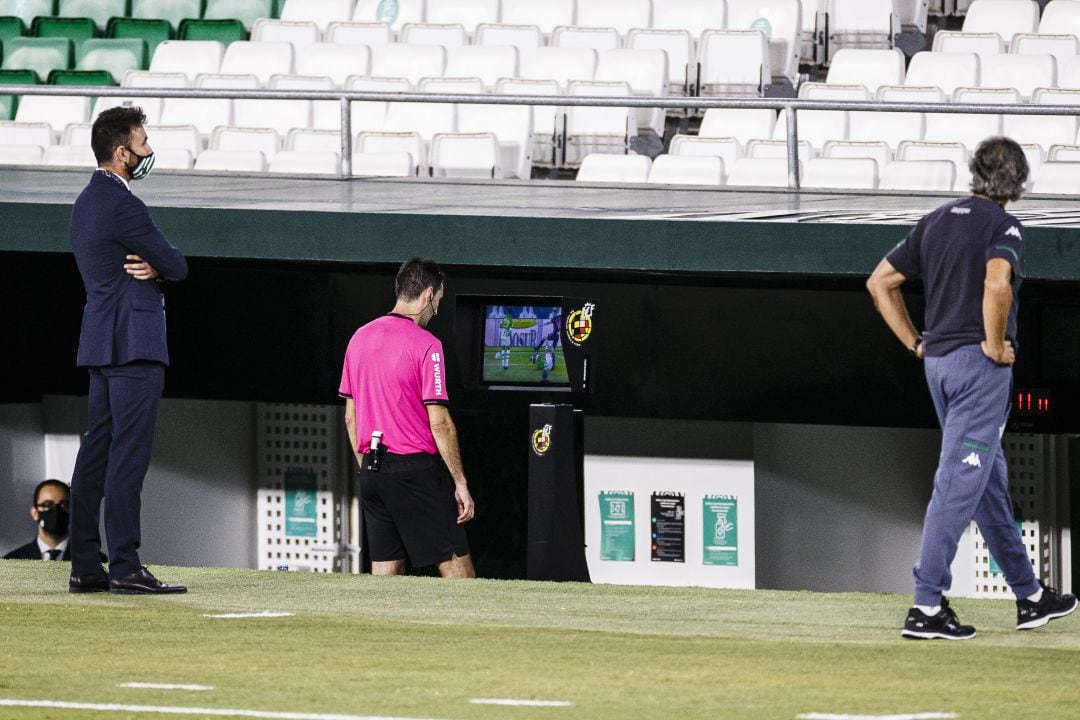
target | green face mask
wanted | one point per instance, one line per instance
(143, 167)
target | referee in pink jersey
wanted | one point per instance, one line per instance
(413, 489)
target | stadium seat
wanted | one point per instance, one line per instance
(26, 10)
(42, 55)
(1068, 75)
(970, 129)
(894, 127)
(152, 107)
(1005, 17)
(759, 172)
(468, 13)
(174, 11)
(1060, 16)
(152, 32)
(562, 65)
(679, 47)
(304, 140)
(394, 14)
(734, 62)
(77, 134)
(284, 115)
(1025, 73)
(261, 59)
(191, 57)
(862, 24)
(544, 117)
(268, 30)
(1059, 46)
(21, 154)
(1045, 130)
(224, 31)
(595, 38)
(982, 44)
(727, 149)
(781, 21)
(462, 85)
(546, 15)
(687, 170)
(408, 61)
(383, 164)
(246, 11)
(263, 140)
(623, 15)
(694, 16)
(646, 72)
(877, 150)
(57, 110)
(34, 134)
(117, 56)
(320, 12)
(175, 137)
(424, 119)
(614, 168)
(231, 161)
(591, 130)
(918, 175)
(465, 155)
(371, 115)
(743, 125)
(10, 27)
(1058, 178)
(819, 126)
(76, 29)
(173, 160)
(1036, 156)
(772, 149)
(91, 78)
(207, 114)
(337, 61)
(947, 71)
(871, 68)
(392, 143)
(1066, 152)
(837, 173)
(306, 163)
(355, 33)
(525, 38)
(489, 63)
(447, 35)
(70, 156)
(811, 38)
(9, 103)
(913, 14)
(512, 126)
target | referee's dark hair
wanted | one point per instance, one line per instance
(417, 275)
(112, 129)
(999, 169)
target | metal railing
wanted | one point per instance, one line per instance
(345, 98)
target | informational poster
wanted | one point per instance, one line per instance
(668, 527)
(617, 526)
(300, 503)
(720, 530)
(994, 567)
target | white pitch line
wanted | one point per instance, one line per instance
(164, 686)
(520, 703)
(240, 616)
(169, 710)
(909, 716)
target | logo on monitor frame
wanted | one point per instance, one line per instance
(541, 440)
(579, 324)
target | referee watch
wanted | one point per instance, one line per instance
(914, 349)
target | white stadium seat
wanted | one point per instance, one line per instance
(1005, 17)
(174, 137)
(140, 78)
(424, 119)
(970, 129)
(694, 16)
(265, 140)
(856, 173)
(956, 153)
(190, 57)
(820, 126)
(173, 160)
(678, 45)
(545, 118)
(293, 162)
(371, 114)
(206, 114)
(782, 22)
(562, 65)
(916, 175)
(468, 13)
(38, 134)
(304, 140)
(614, 168)
(395, 14)
(727, 149)
(1060, 47)
(1066, 152)
(489, 63)
(21, 154)
(1046, 130)
(320, 12)
(463, 85)
(79, 134)
(862, 23)
(546, 15)
(409, 143)
(468, 155)
(512, 126)
(687, 170)
(56, 110)
(525, 38)
(870, 68)
(742, 124)
(269, 30)
(448, 35)
(357, 33)
(598, 129)
(982, 44)
(1061, 16)
(878, 150)
(594, 38)
(408, 61)
(231, 161)
(261, 59)
(383, 164)
(759, 172)
(777, 149)
(646, 72)
(333, 60)
(947, 71)
(894, 127)
(734, 62)
(623, 15)
(1058, 178)
(1022, 72)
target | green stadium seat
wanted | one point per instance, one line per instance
(42, 55)
(81, 77)
(100, 11)
(10, 27)
(224, 31)
(175, 11)
(246, 11)
(116, 56)
(27, 9)
(278, 4)
(153, 32)
(9, 103)
(75, 29)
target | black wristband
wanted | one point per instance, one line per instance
(914, 349)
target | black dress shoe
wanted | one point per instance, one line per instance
(141, 582)
(88, 583)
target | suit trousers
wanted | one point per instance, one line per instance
(971, 396)
(111, 465)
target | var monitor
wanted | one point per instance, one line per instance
(526, 342)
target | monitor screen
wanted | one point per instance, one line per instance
(522, 346)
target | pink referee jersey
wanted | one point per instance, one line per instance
(393, 369)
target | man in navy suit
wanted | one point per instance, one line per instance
(122, 258)
(50, 513)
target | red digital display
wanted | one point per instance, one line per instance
(1032, 403)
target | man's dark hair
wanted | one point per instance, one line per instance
(113, 129)
(46, 483)
(999, 169)
(417, 275)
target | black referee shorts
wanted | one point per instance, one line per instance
(410, 511)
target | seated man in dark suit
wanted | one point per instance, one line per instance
(50, 512)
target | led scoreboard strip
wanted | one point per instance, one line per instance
(1031, 403)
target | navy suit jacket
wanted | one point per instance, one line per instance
(124, 318)
(31, 551)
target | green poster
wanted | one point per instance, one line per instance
(617, 526)
(720, 532)
(994, 567)
(300, 503)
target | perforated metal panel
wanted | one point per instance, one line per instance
(1030, 485)
(299, 441)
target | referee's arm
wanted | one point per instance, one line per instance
(350, 427)
(445, 432)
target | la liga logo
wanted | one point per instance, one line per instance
(541, 440)
(579, 324)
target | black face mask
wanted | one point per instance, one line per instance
(54, 521)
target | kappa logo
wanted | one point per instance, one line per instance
(960, 211)
(972, 460)
(1014, 231)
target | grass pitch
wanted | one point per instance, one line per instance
(424, 648)
(522, 366)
